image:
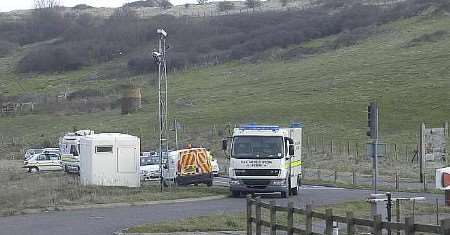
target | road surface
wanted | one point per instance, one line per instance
(105, 221)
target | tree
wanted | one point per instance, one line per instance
(43, 4)
(202, 2)
(284, 2)
(165, 4)
(225, 6)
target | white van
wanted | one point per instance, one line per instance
(43, 162)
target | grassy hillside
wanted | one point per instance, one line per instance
(398, 65)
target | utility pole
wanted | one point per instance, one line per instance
(372, 116)
(160, 59)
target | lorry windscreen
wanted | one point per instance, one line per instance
(257, 147)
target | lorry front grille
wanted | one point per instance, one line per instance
(257, 172)
(257, 182)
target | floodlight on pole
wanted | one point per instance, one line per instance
(160, 58)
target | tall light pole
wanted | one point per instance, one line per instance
(160, 58)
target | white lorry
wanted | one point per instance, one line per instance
(69, 146)
(265, 159)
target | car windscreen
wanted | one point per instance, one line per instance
(257, 147)
(145, 161)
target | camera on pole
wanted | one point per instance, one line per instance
(372, 119)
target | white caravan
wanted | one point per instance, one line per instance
(69, 146)
(265, 159)
(110, 159)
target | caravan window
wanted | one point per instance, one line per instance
(103, 149)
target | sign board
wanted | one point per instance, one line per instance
(434, 144)
(443, 178)
(381, 149)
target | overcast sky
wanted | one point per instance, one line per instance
(9, 5)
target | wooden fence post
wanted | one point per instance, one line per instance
(328, 222)
(348, 147)
(353, 177)
(409, 226)
(445, 227)
(258, 216)
(350, 223)
(377, 226)
(290, 218)
(249, 215)
(273, 218)
(308, 219)
(335, 177)
(397, 181)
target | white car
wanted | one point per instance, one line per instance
(31, 152)
(43, 162)
(149, 167)
(215, 167)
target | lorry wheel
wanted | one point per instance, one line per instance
(284, 194)
(34, 169)
(235, 194)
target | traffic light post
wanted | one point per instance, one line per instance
(372, 116)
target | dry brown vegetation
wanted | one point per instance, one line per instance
(24, 192)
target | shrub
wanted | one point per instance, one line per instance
(82, 7)
(50, 60)
(225, 6)
(7, 47)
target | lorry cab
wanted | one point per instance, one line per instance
(69, 146)
(265, 159)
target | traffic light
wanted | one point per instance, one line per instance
(372, 120)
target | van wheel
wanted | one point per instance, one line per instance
(34, 169)
(294, 191)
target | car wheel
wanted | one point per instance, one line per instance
(66, 169)
(209, 184)
(235, 194)
(34, 169)
(284, 194)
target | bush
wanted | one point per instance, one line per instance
(142, 64)
(225, 6)
(253, 3)
(50, 59)
(82, 7)
(7, 47)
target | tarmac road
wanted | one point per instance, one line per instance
(105, 221)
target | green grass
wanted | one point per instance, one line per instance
(218, 222)
(327, 92)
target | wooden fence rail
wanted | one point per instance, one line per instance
(376, 226)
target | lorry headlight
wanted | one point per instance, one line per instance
(234, 181)
(279, 182)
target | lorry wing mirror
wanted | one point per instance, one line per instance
(291, 150)
(291, 146)
(224, 144)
